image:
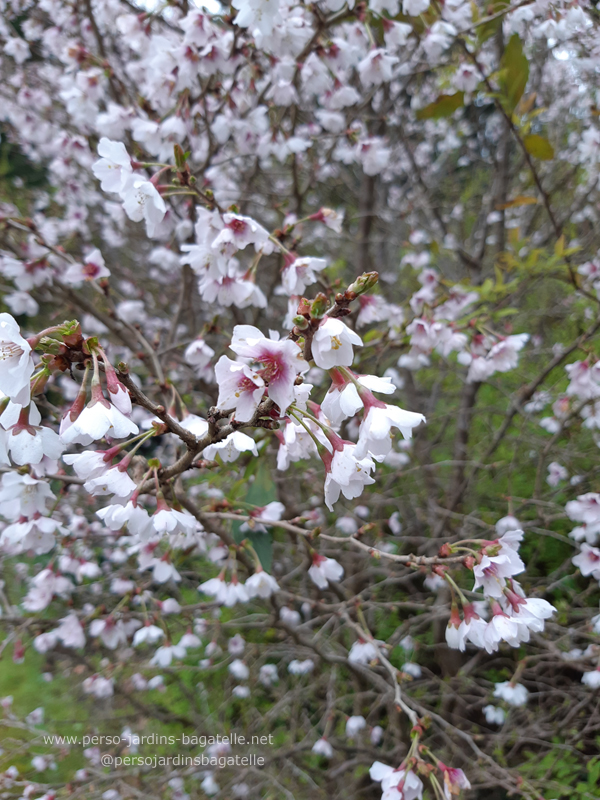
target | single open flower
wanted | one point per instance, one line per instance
(332, 344)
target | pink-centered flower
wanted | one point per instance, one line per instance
(588, 561)
(490, 574)
(502, 357)
(500, 560)
(586, 508)
(281, 362)
(231, 289)
(300, 273)
(330, 218)
(455, 781)
(37, 534)
(376, 68)
(240, 388)
(92, 269)
(373, 308)
(237, 233)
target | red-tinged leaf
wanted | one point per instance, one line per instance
(520, 200)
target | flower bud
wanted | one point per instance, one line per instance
(319, 306)
(303, 306)
(91, 344)
(180, 158)
(300, 322)
(71, 333)
(39, 384)
(363, 283)
(51, 346)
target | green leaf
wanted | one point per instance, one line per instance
(261, 492)
(538, 146)
(489, 28)
(371, 335)
(263, 544)
(444, 106)
(514, 73)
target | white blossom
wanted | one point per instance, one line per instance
(16, 363)
(513, 694)
(332, 344)
(114, 166)
(325, 569)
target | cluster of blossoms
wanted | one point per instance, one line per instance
(272, 369)
(266, 382)
(513, 615)
(403, 783)
(586, 510)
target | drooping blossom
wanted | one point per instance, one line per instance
(325, 569)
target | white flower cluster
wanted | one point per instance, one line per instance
(513, 615)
